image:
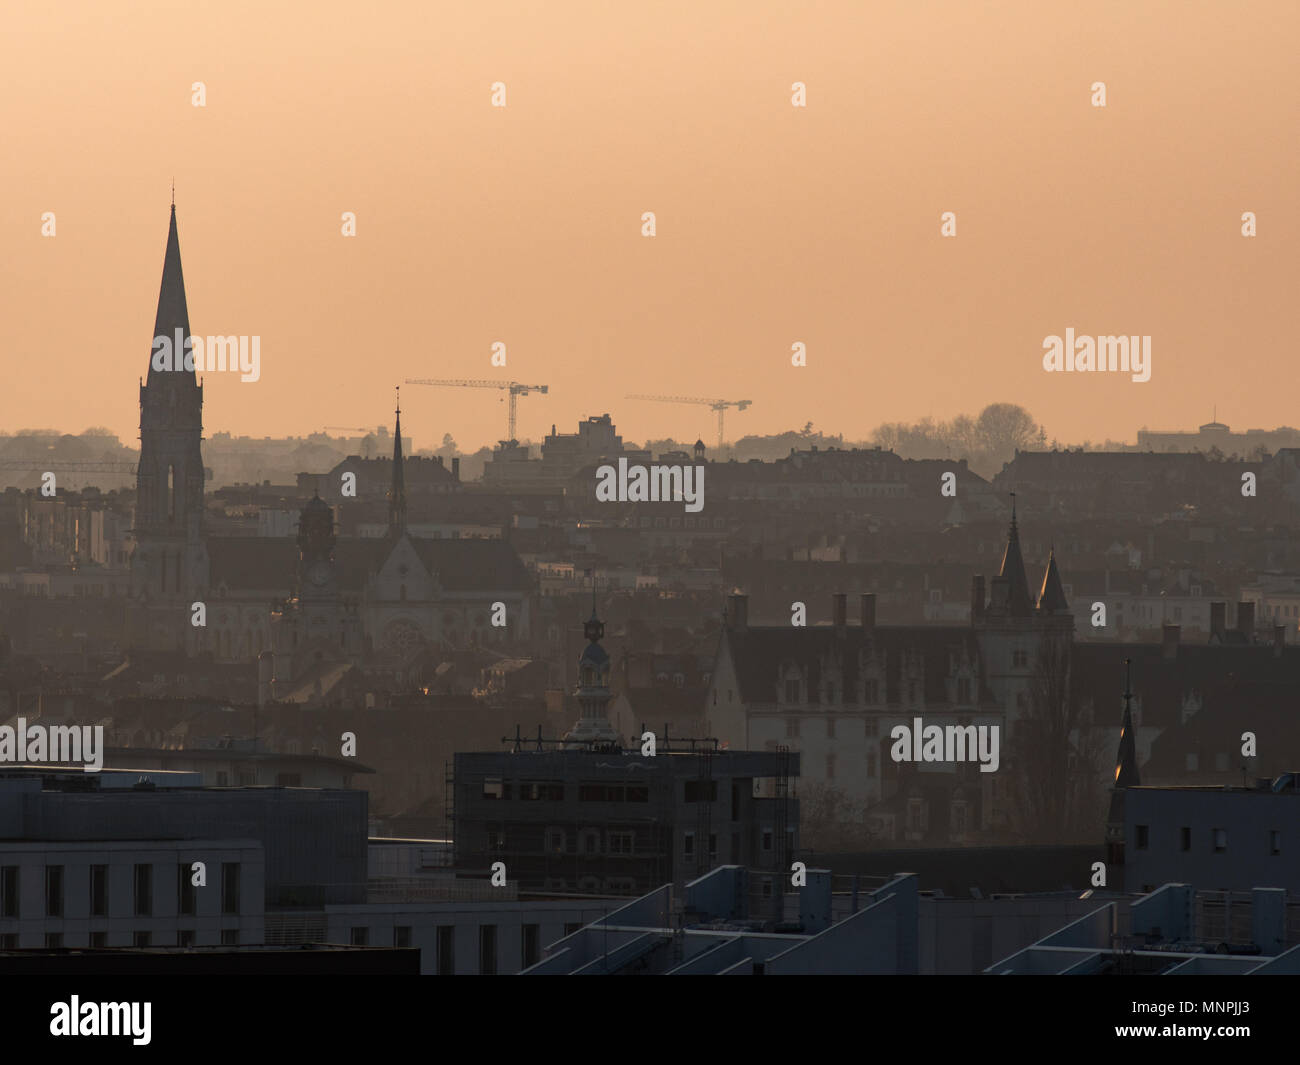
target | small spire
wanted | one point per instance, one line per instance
(397, 493)
(1126, 769)
(173, 194)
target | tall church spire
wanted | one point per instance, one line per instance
(169, 565)
(173, 317)
(397, 493)
(1013, 571)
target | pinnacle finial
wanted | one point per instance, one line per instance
(173, 192)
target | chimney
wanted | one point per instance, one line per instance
(1279, 640)
(265, 675)
(839, 609)
(737, 611)
(869, 611)
(1169, 640)
(455, 468)
(977, 597)
(1246, 621)
(1218, 619)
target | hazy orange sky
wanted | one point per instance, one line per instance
(775, 224)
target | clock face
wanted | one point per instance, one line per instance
(318, 575)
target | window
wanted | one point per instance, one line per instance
(223, 778)
(487, 949)
(1019, 659)
(1220, 840)
(144, 890)
(142, 939)
(1143, 837)
(446, 949)
(1186, 838)
(99, 891)
(1221, 761)
(229, 887)
(185, 937)
(1275, 842)
(1193, 761)
(360, 936)
(230, 937)
(871, 690)
(529, 950)
(963, 689)
(9, 891)
(767, 839)
(54, 891)
(830, 767)
(791, 728)
(621, 843)
(959, 818)
(713, 846)
(872, 728)
(288, 780)
(99, 939)
(590, 841)
(493, 788)
(569, 929)
(688, 845)
(185, 894)
(871, 764)
(792, 690)
(830, 728)
(701, 791)
(555, 840)
(247, 780)
(402, 935)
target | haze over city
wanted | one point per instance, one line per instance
(522, 224)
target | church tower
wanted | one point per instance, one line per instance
(593, 689)
(169, 565)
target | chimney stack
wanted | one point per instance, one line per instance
(1246, 621)
(977, 597)
(840, 609)
(738, 612)
(1218, 619)
(265, 677)
(1170, 635)
(869, 611)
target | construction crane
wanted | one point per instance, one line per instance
(720, 405)
(515, 389)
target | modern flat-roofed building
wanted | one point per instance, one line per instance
(610, 820)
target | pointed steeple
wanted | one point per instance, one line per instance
(397, 493)
(1126, 769)
(173, 317)
(1013, 571)
(1051, 597)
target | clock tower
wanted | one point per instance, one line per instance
(318, 625)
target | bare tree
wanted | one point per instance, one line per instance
(829, 821)
(1055, 756)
